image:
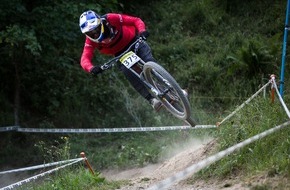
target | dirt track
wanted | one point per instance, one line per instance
(197, 150)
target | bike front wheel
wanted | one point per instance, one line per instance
(172, 95)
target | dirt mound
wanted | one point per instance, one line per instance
(178, 159)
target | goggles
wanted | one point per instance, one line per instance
(97, 34)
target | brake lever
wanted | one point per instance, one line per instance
(105, 67)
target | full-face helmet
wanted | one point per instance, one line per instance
(91, 24)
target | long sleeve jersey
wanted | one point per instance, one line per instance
(125, 29)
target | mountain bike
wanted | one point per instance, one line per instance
(157, 80)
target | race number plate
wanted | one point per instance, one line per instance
(129, 59)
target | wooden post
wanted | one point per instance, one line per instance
(87, 163)
(272, 89)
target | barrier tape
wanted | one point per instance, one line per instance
(38, 166)
(245, 103)
(39, 175)
(9, 128)
(109, 130)
(196, 167)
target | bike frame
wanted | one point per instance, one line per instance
(151, 88)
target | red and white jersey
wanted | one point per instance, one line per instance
(125, 29)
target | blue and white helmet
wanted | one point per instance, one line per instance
(91, 25)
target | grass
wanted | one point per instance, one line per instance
(76, 178)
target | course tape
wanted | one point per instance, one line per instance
(245, 103)
(198, 166)
(38, 166)
(109, 130)
(9, 128)
(39, 175)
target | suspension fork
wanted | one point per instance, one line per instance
(160, 77)
(150, 87)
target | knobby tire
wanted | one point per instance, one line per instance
(182, 111)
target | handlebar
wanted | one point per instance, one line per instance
(110, 63)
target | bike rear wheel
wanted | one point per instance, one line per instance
(173, 97)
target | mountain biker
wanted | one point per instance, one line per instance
(112, 34)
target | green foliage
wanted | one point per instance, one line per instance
(253, 60)
(15, 38)
(76, 178)
(56, 150)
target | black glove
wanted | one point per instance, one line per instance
(96, 70)
(144, 35)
